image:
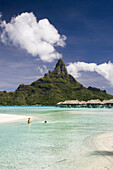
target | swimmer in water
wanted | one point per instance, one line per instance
(29, 120)
(45, 121)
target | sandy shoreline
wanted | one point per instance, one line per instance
(103, 154)
(104, 142)
(100, 156)
(8, 118)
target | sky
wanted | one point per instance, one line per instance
(35, 34)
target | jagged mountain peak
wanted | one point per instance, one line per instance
(61, 68)
(59, 71)
(60, 63)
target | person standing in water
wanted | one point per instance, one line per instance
(29, 120)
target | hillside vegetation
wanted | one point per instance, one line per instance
(55, 86)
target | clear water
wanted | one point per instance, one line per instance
(64, 143)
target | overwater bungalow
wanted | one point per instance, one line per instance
(94, 103)
(68, 103)
(83, 104)
(108, 103)
(90, 104)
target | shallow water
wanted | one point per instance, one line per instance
(64, 143)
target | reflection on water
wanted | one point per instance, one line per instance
(64, 142)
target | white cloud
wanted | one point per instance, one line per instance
(105, 69)
(42, 69)
(37, 38)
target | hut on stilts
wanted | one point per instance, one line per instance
(89, 104)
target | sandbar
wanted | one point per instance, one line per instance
(8, 118)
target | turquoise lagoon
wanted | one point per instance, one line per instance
(64, 143)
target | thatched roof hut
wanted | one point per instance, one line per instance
(59, 103)
(108, 103)
(94, 102)
(104, 102)
(82, 103)
(111, 101)
(69, 102)
(90, 103)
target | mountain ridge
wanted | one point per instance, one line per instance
(57, 85)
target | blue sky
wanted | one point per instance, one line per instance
(88, 26)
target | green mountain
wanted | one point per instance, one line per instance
(55, 86)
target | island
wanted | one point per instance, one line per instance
(57, 85)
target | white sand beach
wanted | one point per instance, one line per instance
(7, 118)
(104, 142)
(102, 157)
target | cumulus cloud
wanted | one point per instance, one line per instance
(105, 69)
(38, 38)
(75, 68)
